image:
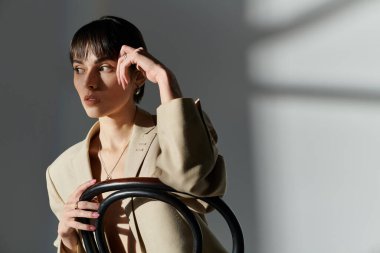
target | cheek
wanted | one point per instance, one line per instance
(118, 94)
(80, 92)
(76, 87)
(76, 84)
(110, 80)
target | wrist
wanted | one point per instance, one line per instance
(168, 85)
(70, 244)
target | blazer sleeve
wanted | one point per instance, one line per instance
(56, 205)
(189, 160)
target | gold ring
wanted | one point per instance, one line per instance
(76, 205)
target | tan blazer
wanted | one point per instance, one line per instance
(178, 147)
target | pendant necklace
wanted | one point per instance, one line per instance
(102, 163)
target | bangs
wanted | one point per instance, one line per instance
(104, 38)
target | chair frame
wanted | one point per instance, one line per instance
(154, 189)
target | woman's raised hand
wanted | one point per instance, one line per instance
(150, 68)
(73, 209)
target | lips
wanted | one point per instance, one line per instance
(91, 100)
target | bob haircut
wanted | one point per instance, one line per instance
(104, 37)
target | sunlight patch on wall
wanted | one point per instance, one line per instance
(338, 49)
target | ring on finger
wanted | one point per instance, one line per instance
(76, 205)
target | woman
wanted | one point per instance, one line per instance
(111, 64)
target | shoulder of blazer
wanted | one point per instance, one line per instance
(77, 152)
(63, 173)
(67, 155)
(59, 169)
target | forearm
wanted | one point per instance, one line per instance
(168, 85)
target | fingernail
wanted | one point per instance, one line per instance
(92, 228)
(92, 181)
(95, 215)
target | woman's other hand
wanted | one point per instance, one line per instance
(73, 209)
(149, 68)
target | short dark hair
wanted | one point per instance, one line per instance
(105, 37)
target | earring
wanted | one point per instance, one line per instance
(138, 90)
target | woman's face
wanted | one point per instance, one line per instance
(97, 86)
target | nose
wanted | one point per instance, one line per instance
(91, 80)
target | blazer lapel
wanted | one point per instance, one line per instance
(143, 133)
(79, 171)
(81, 166)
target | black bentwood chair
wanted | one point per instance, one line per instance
(154, 189)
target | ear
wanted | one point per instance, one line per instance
(139, 78)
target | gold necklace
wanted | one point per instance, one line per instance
(102, 163)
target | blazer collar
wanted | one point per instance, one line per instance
(143, 133)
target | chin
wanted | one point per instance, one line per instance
(94, 114)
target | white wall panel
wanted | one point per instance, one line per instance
(317, 174)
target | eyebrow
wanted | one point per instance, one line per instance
(101, 59)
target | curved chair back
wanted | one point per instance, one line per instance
(154, 189)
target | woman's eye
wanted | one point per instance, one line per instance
(78, 70)
(105, 68)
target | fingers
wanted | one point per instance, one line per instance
(126, 59)
(122, 66)
(81, 226)
(127, 49)
(68, 222)
(86, 205)
(122, 72)
(66, 228)
(79, 213)
(79, 191)
(73, 201)
(132, 56)
(118, 72)
(85, 209)
(74, 197)
(78, 209)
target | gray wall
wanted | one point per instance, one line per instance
(203, 42)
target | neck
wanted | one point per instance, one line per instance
(115, 130)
